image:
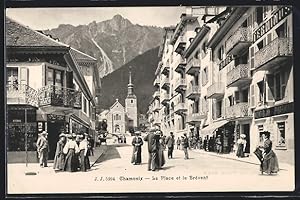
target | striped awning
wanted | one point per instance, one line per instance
(212, 127)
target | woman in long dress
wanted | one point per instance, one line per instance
(137, 143)
(71, 149)
(161, 157)
(83, 154)
(269, 161)
(59, 158)
(241, 146)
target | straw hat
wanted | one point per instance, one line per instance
(243, 136)
(62, 135)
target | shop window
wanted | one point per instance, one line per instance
(281, 133)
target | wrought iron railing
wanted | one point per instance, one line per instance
(278, 47)
(238, 110)
(22, 93)
(242, 34)
(180, 43)
(239, 72)
(59, 96)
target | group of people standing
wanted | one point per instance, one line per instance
(72, 152)
(157, 143)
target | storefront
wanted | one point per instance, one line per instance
(21, 120)
(78, 126)
(279, 121)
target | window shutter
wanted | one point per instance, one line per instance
(24, 75)
(249, 21)
(251, 52)
(252, 96)
(269, 88)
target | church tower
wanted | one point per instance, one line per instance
(131, 104)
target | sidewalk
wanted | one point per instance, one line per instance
(252, 159)
(34, 167)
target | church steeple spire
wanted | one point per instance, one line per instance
(130, 85)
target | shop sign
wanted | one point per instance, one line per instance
(279, 15)
(52, 117)
(276, 110)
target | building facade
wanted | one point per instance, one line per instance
(232, 75)
(45, 91)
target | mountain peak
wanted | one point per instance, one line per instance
(118, 17)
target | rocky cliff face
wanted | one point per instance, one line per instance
(113, 42)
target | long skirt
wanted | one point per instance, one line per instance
(71, 161)
(59, 162)
(240, 151)
(270, 163)
(84, 161)
(136, 155)
(161, 158)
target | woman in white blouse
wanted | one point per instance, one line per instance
(84, 159)
(71, 148)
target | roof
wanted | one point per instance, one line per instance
(234, 16)
(116, 102)
(200, 35)
(18, 35)
(80, 56)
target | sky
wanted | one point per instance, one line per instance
(48, 18)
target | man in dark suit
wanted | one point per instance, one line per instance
(170, 143)
(152, 140)
(185, 146)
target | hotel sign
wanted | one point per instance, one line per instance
(276, 110)
(279, 15)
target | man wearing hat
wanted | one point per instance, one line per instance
(152, 140)
(170, 143)
(137, 143)
(43, 149)
(185, 146)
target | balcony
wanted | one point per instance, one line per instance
(216, 90)
(272, 55)
(180, 85)
(156, 82)
(165, 68)
(156, 95)
(193, 67)
(21, 94)
(195, 118)
(193, 92)
(54, 98)
(179, 45)
(165, 99)
(238, 76)
(180, 66)
(238, 111)
(180, 108)
(239, 40)
(165, 83)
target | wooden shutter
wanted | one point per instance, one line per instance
(24, 76)
(269, 38)
(269, 88)
(249, 21)
(251, 56)
(252, 96)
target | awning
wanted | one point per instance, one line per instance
(212, 127)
